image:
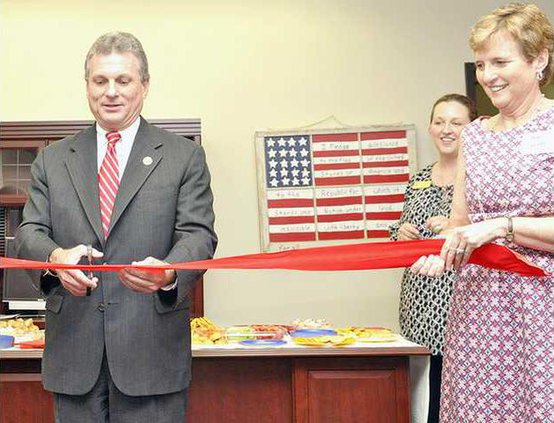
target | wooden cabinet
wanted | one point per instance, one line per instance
(22, 400)
(351, 390)
(240, 390)
(281, 385)
(15, 167)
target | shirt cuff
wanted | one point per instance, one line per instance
(169, 287)
(50, 272)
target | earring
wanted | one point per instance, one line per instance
(540, 75)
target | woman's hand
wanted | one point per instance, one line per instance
(428, 266)
(459, 245)
(437, 223)
(408, 231)
(464, 240)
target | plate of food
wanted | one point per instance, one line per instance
(391, 338)
(205, 332)
(19, 328)
(325, 341)
(311, 324)
(369, 333)
(269, 331)
(240, 333)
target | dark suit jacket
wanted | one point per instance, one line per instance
(163, 210)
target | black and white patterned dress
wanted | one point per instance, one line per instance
(424, 301)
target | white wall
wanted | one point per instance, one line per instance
(242, 66)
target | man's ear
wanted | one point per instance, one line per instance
(146, 85)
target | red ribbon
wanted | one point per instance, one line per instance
(376, 255)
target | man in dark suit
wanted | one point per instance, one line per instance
(137, 194)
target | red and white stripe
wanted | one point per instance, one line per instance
(291, 215)
(336, 159)
(340, 213)
(385, 157)
(383, 207)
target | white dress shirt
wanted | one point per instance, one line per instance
(122, 148)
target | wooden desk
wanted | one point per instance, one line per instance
(366, 383)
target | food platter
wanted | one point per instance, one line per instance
(23, 333)
(322, 341)
(392, 338)
(369, 333)
(206, 333)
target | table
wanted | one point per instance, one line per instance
(355, 383)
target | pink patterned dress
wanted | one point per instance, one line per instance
(499, 352)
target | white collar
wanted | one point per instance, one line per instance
(128, 133)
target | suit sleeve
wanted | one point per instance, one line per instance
(33, 237)
(194, 235)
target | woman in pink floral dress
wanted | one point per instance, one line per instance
(499, 352)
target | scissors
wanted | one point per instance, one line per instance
(90, 274)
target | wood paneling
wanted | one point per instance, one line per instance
(55, 130)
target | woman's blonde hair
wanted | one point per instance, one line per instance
(527, 24)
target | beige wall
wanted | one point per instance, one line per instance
(242, 66)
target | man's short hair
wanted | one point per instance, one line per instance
(119, 42)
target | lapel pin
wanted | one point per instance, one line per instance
(147, 161)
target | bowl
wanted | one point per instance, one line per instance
(310, 333)
(269, 331)
(6, 341)
(239, 333)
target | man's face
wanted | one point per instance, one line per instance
(114, 90)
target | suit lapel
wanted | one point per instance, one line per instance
(145, 156)
(82, 168)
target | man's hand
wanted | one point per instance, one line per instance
(146, 281)
(75, 281)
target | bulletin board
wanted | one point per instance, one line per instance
(331, 186)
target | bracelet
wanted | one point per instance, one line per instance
(510, 232)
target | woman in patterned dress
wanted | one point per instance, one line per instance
(499, 350)
(424, 301)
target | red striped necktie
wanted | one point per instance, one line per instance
(108, 181)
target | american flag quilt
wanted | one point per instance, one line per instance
(318, 187)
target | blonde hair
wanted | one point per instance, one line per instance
(528, 25)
